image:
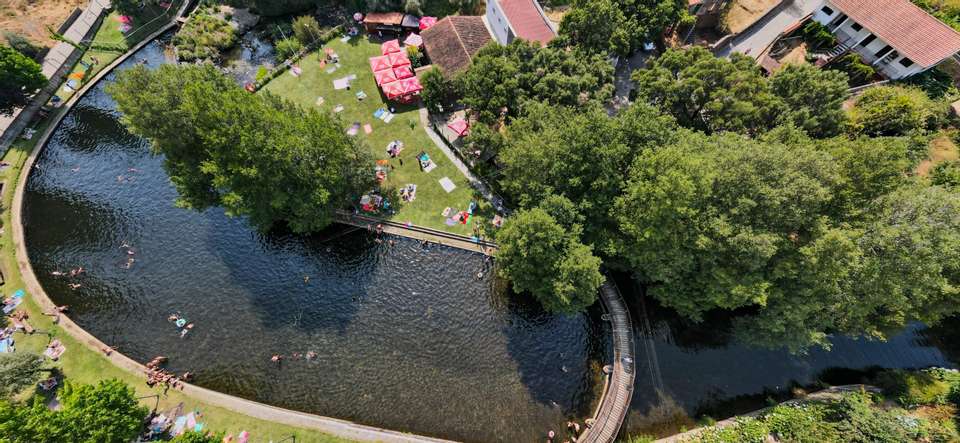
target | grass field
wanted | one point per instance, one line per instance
(431, 199)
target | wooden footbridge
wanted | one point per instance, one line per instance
(618, 389)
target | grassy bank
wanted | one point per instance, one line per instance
(314, 83)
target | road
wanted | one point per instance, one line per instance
(753, 40)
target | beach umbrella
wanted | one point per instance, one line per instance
(390, 46)
(357, 16)
(427, 22)
(460, 126)
(385, 76)
(380, 63)
(401, 72)
(413, 40)
(398, 59)
(392, 90)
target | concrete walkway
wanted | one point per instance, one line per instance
(762, 33)
(55, 66)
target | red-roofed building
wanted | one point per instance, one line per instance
(513, 19)
(895, 36)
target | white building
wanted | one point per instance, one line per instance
(512, 19)
(895, 36)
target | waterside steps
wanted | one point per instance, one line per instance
(619, 387)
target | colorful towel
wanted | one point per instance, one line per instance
(388, 118)
(379, 113)
(367, 128)
(6, 345)
(339, 108)
(447, 184)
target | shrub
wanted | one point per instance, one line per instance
(438, 91)
(415, 56)
(287, 48)
(24, 46)
(860, 422)
(817, 36)
(262, 73)
(935, 82)
(203, 37)
(946, 174)
(306, 30)
(412, 7)
(804, 423)
(859, 72)
(745, 430)
(914, 388)
(895, 110)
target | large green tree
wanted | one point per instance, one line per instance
(618, 26)
(502, 78)
(107, 412)
(542, 257)
(709, 93)
(255, 155)
(19, 371)
(20, 76)
(812, 97)
(895, 110)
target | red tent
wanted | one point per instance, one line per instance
(460, 126)
(410, 85)
(398, 59)
(402, 72)
(380, 63)
(385, 76)
(392, 90)
(426, 22)
(390, 46)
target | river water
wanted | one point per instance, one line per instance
(407, 338)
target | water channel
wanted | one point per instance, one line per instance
(407, 338)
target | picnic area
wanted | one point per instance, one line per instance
(417, 181)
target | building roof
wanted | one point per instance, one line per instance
(527, 21)
(904, 26)
(385, 18)
(452, 42)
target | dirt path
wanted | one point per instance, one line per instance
(31, 18)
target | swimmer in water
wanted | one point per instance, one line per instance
(74, 286)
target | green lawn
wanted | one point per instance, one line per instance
(431, 199)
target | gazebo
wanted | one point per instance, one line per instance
(427, 22)
(392, 90)
(411, 86)
(398, 59)
(401, 72)
(380, 63)
(385, 76)
(390, 46)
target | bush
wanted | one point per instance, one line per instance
(198, 437)
(914, 388)
(203, 37)
(24, 46)
(894, 111)
(306, 30)
(413, 7)
(946, 174)
(859, 72)
(288, 48)
(935, 82)
(804, 423)
(262, 73)
(415, 56)
(745, 430)
(438, 91)
(860, 422)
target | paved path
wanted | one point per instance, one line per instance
(56, 64)
(619, 389)
(758, 36)
(418, 232)
(478, 184)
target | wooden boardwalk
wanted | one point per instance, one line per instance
(619, 388)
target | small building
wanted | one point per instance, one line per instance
(383, 22)
(894, 36)
(452, 42)
(512, 19)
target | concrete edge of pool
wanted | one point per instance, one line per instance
(333, 426)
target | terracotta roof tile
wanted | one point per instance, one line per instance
(526, 20)
(453, 41)
(904, 26)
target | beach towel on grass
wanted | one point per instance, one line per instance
(17, 298)
(354, 128)
(178, 426)
(330, 70)
(338, 108)
(367, 128)
(6, 345)
(341, 83)
(379, 113)
(447, 184)
(389, 117)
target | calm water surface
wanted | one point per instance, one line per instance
(407, 338)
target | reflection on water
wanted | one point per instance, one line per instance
(406, 338)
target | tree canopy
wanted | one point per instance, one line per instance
(543, 257)
(107, 412)
(502, 78)
(618, 26)
(19, 371)
(20, 76)
(255, 155)
(895, 110)
(713, 94)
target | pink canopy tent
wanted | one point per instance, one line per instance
(380, 63)
(460, 126)
(390, 46)
(413, 40)
(401, 72)
(410, 85)
(392, 90)
(385, 76)
(427, 22)
(398, 59)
